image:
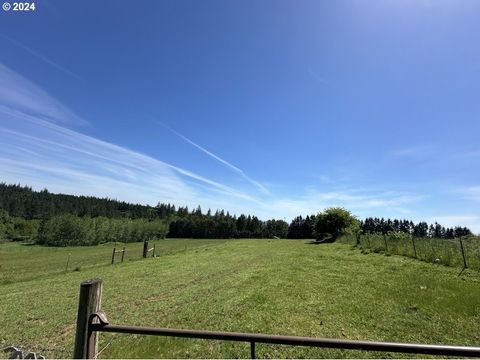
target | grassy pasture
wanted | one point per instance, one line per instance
(271, 286)
(23, 262)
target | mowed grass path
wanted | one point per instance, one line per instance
(270, 286)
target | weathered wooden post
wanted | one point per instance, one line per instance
(145, 248)
(463, 254)
(113, 255)
(123, 253)
(153, 255)
(385, 240)
(89, 302)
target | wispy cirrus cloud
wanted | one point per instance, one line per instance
(76, 162)
(469, 192)
(361, 202)
(41, 57)
(20, 96)
(37, 150)
(218, 158)
(416, 152)
(317, 77)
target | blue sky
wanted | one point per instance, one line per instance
(274, 108)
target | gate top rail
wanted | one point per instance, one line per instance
(449, 350)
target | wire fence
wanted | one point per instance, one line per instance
(24, 261)
(462, 252)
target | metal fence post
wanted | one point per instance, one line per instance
(89, 302)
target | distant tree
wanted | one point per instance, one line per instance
(462, 231)
(438, 231)
(197, 211)
(295, 229)
(449, 233)
(308, 228)
(242, 226)
(276, 228)
(420, 230)
(336, 221)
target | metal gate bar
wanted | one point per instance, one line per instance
(446, 350)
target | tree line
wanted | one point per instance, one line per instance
(58, 219)
(71, 230)
(421, 229)
(223, 225)
(22, 201)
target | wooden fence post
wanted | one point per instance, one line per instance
(153, 255)
(89, 302)
(113, 255)
(123, 253)
(145, 248)
(385, 239)
(68, 260)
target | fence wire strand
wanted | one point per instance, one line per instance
(463, 252)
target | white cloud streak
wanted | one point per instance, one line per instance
(66, 154)
(20, 96)
(420, 152)
(470, 192)
(317, 77)
(41, 57)
(362, 203)
(218, 158)
(41, 153)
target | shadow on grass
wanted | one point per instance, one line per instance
(325, 238)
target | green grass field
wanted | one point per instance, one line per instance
(284, 287)
(23, 262)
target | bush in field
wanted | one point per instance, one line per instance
(15, 228)
(24, 229)
(336, 221)
(63, 230)
(70, 230)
